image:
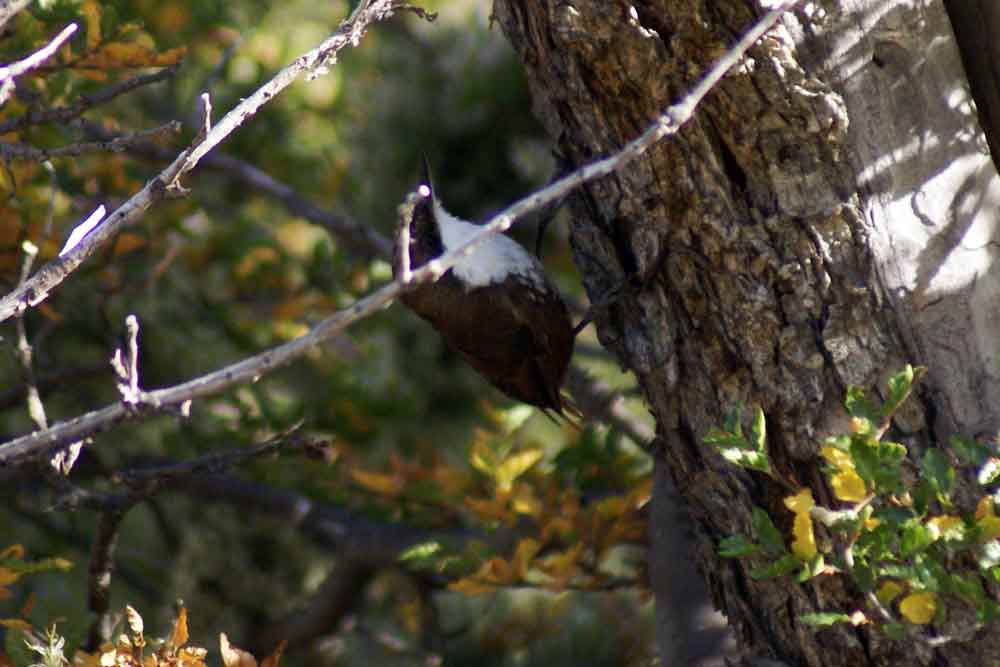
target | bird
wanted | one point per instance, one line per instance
(496, 307)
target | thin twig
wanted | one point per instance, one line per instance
(349, 33)
(25, 353)
(18, 151)
(99, 571)
(86, 102)
(16, 69)
(126, 364)
(254, 367)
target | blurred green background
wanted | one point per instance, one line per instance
(231, 270)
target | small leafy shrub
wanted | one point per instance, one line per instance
(900, 539)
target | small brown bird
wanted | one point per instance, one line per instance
(496, 307)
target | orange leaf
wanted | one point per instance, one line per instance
(275, 657)
(179, 636)
(126, 243)
(388, 485)
(13, 551)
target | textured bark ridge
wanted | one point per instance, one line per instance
(752, 233)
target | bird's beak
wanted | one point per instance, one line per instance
(425, 173)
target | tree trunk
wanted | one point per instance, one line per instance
(826, 218)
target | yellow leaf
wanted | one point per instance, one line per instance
(514, 466)
(888, 592)
(871, 523)
(488, 509)
(946, 526)
(989, 529)
(801, 502)
(804, 544)
(986, 520)
(483, 458)
(170, 57)
(919, 608)
(984, 507)
(526, 551)
(524, 501)
(837, 457)
(563, 567)
(91, 11)
(233, 656)
(848, 486)
(388, 485)
(8, 576)
(15, 551)
(642, 493)
(471, 586)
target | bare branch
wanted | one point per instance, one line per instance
(36, 409)
(8, 8)
(14, 70)
(349, 33)
(20, 151)
(253, 367)
(126, 364)
(86, 102)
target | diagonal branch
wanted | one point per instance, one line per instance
(10, 72)
(253, 367)
(86, 102)
(351, 30)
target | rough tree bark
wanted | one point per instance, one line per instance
(827, 217)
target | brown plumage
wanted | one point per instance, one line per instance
(514, 330)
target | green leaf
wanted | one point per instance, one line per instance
(824, 619)
(864, 577)
(916, 537)
(969, 451)
(746, 459)
(858, 406)
(895, 631)
(784, 565)
(930, 573)
(812, 568)
(758, 432)
(737, 546)
(420, 553)
(938, 471)
(765, 530)
(900, 385)
(732, 423)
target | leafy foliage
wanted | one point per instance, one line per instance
(901, 539)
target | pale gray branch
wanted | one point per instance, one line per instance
(10, 72)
